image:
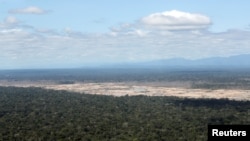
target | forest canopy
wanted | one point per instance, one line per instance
(41, 114)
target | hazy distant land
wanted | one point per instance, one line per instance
(120, 82)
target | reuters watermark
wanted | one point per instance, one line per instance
(236, 132)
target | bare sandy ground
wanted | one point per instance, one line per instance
(131, 89)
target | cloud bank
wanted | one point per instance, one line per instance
(171, 34)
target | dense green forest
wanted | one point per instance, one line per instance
(28, 114)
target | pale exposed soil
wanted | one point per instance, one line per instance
(131, 88)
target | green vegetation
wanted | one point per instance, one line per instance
(48, 115)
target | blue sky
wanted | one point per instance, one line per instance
(77, 33)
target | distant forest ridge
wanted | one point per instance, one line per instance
(238, 61)
(174, 64)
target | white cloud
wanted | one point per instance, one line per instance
(176, 20)
(28, 10)
(164, 23)
(11, 20)
(9, 24)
